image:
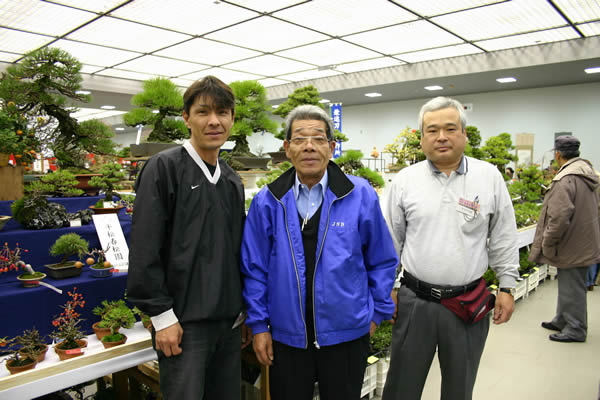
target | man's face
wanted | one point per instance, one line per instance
(210, 126)
(309, 149)
(443, 139)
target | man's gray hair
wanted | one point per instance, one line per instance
(308, 112)
(439, 103)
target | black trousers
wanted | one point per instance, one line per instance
(339, 369)
(209, 367)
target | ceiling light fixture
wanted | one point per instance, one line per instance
(119, 129)
(155, 111)
(83, 92)
(107, 107)
(434, 87)
(323, 101)
(592, 70)
(373, 94)
(275, 106)
(508, 79)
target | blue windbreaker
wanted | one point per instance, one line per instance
(354, 269)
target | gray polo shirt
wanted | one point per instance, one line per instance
(441, 224)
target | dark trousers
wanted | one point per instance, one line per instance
(209, 366)
(421, 328)
(339, 369)
(571, 308)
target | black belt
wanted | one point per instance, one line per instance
(435, 293)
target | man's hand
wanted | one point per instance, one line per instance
(246, 335)
(263, 348)
(505, 305)
(372, 329)
(168, 340)
(395, 300)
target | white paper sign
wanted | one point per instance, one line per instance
(111, 237)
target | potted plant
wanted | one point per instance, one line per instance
(496, 151)
(118, 316)
(67, 245)
(30, 339)
(16, 138)
(60, 183)
(101, 268)
(102, 327)
(350, 163)
(10, 259)
(145, 318)
(109, 182)
(68, 331)
(22, 356)
(405, 150)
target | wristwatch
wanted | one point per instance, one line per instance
(510, 291)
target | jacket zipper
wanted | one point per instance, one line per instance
(295, 268)
(317, 263)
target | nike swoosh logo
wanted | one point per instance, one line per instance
(194, 187)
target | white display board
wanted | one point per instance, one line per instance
(112, 240)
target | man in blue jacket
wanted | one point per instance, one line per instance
(319, 265)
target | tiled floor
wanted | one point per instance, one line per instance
(520, 362)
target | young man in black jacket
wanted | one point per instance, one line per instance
(184, 252)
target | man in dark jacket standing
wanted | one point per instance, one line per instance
(184, 255)
(319, 265)
(567, 237)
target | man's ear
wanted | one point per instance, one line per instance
(185, 116)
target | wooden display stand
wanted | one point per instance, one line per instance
(11, 183)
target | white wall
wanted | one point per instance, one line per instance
(542, 111)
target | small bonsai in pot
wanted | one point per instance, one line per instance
(68, 331)
(60, 183)
(109, 181)
(102, 327)
(119, 316)
(32, 339)
(10, 260)
(67, 245)
(99, 266)
(145, 318)
(22, 355)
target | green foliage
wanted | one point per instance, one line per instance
(124, 152)
(339, 136)
(274, 174)
(109, 181)
(58, 183)
(162, 95)
(118, 316)
(251, 114)
(15, 136)
(529, 186)
(496, 151)
(234, 164)
(524, 264)
(99, 204)
(350, 163)
(490, 277)
(23, 349)
(474, 140)
(68, 245)
(406, 147)
(145, 318)
(382, 337)
(526, 213)
(304, 95)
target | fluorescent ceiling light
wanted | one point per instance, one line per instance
(579, 11)
(528, 39)
(268, 82)
(9, 57)
(270, 65)
(310, 74)
(119, 129)
(95, 55)
(508, 79)
(433, 87)
(155, 111)
(373, 94)
(323, 101)
(107, 107)
(91, 5)
(329, 52)
(591, 29)
(21, 42)
(592, 70)
(374, 63)
(83, 92)
(275, 106)
(223, 74)
(431, 8)
(162, 66)
(436, 54)
(207, 52)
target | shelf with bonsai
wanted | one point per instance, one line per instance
(109, 183)
(25, 351)
(67, 245)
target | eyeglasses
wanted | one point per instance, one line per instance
(316, 140)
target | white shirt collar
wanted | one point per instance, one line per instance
(201, 163)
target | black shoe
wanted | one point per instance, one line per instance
(563, 338)
(550, 326)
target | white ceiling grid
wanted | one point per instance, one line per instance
(277, 41)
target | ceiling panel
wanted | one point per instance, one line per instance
(329, 52)
(41, 17)
(443, 52)
(190, 16)
(126, 35)
(591, 29)
(266, 6)
(270, 65)
(311, 74)
(267, 34)
(223, 74)
(90, 69)
(162, 66)
(580, 10)
(431, 8)
(9, 57)
(21, 42)
(374, 63)
(182, 82)
(117, 73)
(207, 52)
(403, 38)
(99, 6)
(528, 39)
(343, 17)
(95, 55)
(509, 18)
(268, 82)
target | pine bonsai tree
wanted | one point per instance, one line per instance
(496, 151)
(109, 181)
(474, 141)
(251, 114)
(350, 163)
(68, 245)
(158, 106)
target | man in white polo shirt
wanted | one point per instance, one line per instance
(441, 213)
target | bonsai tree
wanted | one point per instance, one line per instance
(118, 316)
(97, 259)
(350, 163)
(58, 183)
(251, 115)
(381, 341)
(31, 342)
(473, 142)
(15, 137)
(109, 181)
(159, 105)
(406, 148)
(40, 86)
(68, 245)
(67, 322)
(496, 151)
(21, 354)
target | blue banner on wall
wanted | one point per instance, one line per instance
(336, 115)
(337, 151)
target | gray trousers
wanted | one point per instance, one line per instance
(421, 327)
(209, 366)
(571, 309)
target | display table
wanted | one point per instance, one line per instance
(51, 374)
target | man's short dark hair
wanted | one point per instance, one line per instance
(308, 112)
(212, 88)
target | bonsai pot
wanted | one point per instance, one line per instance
(278, 157)
(101, 332)
(111, 210)
(33, 281)
(3, 220)
(108, 344)
(253, 162)
(84, 184)
(41, 354)
(147, 325)
(149, 148)
(20, 368)
(61, 271)
(101, 272)
(70, 353)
